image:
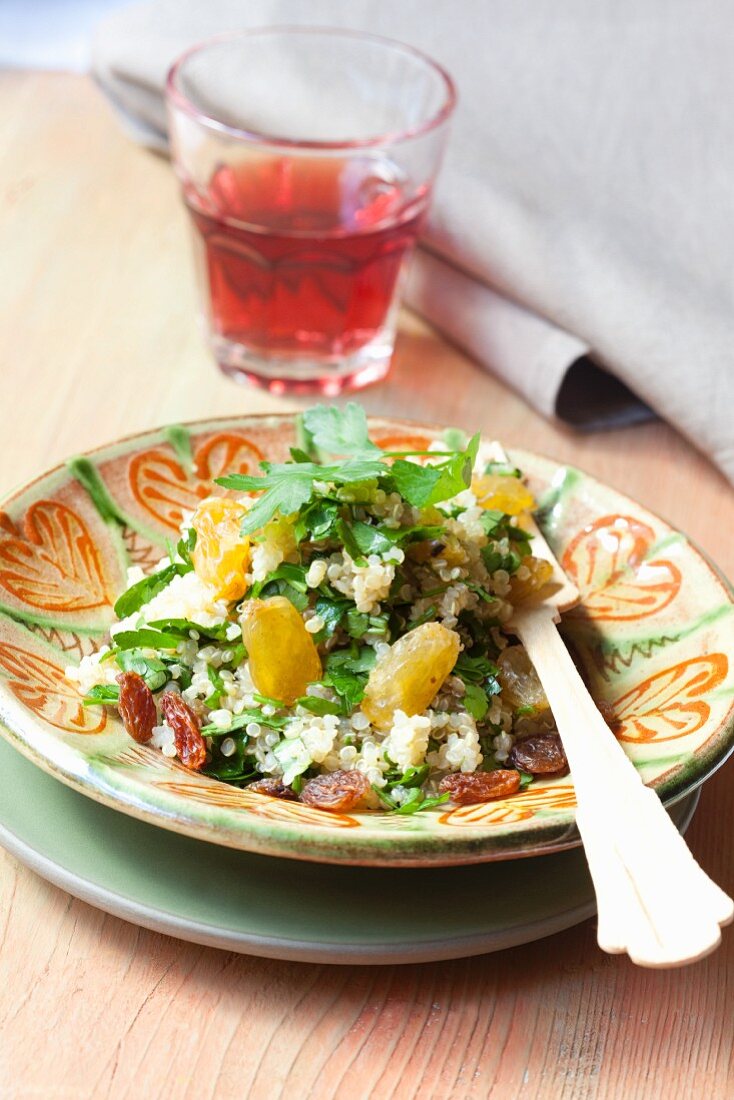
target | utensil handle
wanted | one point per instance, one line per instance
(654, 901)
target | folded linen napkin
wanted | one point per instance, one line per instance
(587, 189)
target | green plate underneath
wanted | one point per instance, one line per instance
(282, 908)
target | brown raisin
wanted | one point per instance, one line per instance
(540, 755)
(607, 712)
(274, 787)
(187, 737)
(136, 706)
(336, 791)
(479, 786)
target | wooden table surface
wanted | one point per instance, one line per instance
(98, 339)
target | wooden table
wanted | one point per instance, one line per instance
(98, 339)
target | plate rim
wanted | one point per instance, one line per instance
(407, 849)
(389, 952)
(280, 947)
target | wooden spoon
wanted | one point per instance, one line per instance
(653, 899)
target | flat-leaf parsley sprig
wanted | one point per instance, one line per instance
(287, 487)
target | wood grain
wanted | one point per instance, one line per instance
(97, 339)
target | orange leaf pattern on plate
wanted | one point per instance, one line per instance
(218, 794)
(41, 686)
(403, 442)
(607, 563)
(669, 704)
(54, 564)
(6, 524)
(518, 807)
(162, 487)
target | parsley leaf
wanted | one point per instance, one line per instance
(412, 805)
(476, 702)
(359, 623)
(145, 637)
(369, 539)
(415, 483)
(104, 694)
(238, 652)
(287, 580)
(416, 804)
(480, 681)
(212, 700)
(287, 491)
(494, 560)
(236, 768)
(152, 669)
(294, 757)
(411, 777)
(290, 485)
(346, 673)
(428, 614)
(185, 547)
(144, 590)
(340, 431)
(355, 660)
(317, 521)
(349, 686)
(481, 592)
(332, 611)
(474, 669)
(243, 719)
(504, 469)
(498, 526)
(398, 535)
(349, 542)
(315, 705)
(422, 486)
(183, 627)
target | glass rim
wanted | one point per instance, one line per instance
(176, 97)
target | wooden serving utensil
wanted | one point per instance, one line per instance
(653, 899)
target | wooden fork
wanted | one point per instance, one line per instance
(653, 899)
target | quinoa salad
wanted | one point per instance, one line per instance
(337, 629)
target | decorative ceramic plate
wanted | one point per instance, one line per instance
(282, 909)
(654, 635)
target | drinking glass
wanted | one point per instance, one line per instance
(306, 158)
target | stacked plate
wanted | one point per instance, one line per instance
(193, 857)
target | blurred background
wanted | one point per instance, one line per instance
(579, 243)
(50, 34)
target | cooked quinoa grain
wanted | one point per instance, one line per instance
(364, 552)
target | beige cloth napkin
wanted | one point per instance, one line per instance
(586, 205)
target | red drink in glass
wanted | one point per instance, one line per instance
(298, 260)
(306, 158)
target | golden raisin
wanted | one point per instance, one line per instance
(190, 745)
(453, 553)
(424, 550)
(336, 791)
(465, 790)
(410, 674)
(221, 554)
(520, 684)
(503, 493)
(136, 706)
(541, 572)
(280, 535)
(283, 656)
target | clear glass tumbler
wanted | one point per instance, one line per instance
(307, 158)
